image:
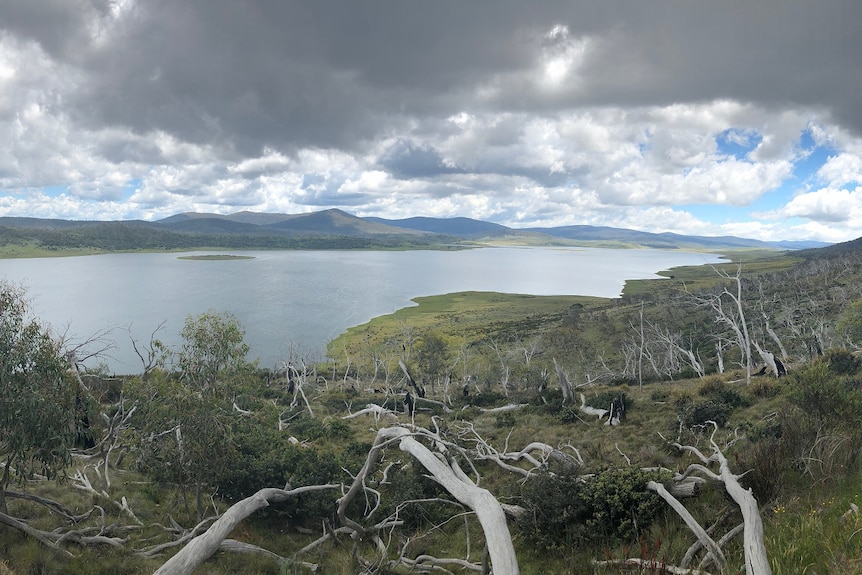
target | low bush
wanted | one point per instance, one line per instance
(564, 510)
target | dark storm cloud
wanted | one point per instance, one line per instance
(289, 74)
(407, 160)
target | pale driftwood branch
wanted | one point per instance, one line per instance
(54, 539)
(40, 536)
(234, 546)
(450, 477)
(503, 408)
(486, 452)
(721, 542)
(481, 501)
(600, 413)
(429, 562)
(756, 561)
(371, 409)
(202, 547)
(82, 481)
(649, 565)
(695, 527)
(54, 506)
(565, 385)
(184, 535)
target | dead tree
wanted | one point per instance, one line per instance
(756, 562)
(732, 316)
(565, 386)
(451, 477)
(202, 547)
(420, 391)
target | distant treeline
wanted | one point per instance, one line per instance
(125, 236)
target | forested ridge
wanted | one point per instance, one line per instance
(326, 229)
(138, 236)
(703, 423)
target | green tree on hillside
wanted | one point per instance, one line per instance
(213, 353)
(37, 403)
(433, 358)
(187, 411)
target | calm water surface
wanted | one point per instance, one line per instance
(297, 301)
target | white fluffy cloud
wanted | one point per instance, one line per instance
(542, 115)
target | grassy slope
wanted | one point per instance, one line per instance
(461, 317)
(803, 524)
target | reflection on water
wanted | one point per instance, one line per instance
(300, 300)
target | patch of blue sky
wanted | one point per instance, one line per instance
(55, 191)
(737, 143)
(130, 188)
(718, 214)
(714, 214)
(812, 156)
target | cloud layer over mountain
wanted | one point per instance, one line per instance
(700, 117)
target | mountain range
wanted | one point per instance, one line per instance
(264, 229)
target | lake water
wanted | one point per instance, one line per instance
(297, 301)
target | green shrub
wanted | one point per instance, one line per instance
(843, 362)
(338, 429)
(569, 414)
(830, 399)
(706, 411)
(555, 510)
(306, 428)
(564, 510)
(504, 420)
(603, 399)
(407, 494)
(720, 391)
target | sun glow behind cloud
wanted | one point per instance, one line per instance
(539, 116)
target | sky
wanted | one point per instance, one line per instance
(739, 117)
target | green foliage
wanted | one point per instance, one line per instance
(409, 494)
(828, 398)
(504, 420)
(720, 401)
(720, 391)
(37, 403)
(842, 362)
(705, 411)
(186, 421)
(569, 414)
(849, 324)
(306, 428)
(603, 399)
(183, 436)
(564, 509)
(432, 356)
(213, 351)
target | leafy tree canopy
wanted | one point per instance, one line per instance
(37, 404)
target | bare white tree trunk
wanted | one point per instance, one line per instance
(481, 501)
(450, 476)
(695, 527)
(202, 547)
(565, 386)
(734, 319)
(768, 358)
(756, 561)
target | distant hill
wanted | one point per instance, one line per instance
(457, 227)
(336, 229)
(332, 222)
(337, 222)
(666, 240)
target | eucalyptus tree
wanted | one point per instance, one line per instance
(37, 398)
(187, 412)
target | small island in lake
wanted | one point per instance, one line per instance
(216, 257)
